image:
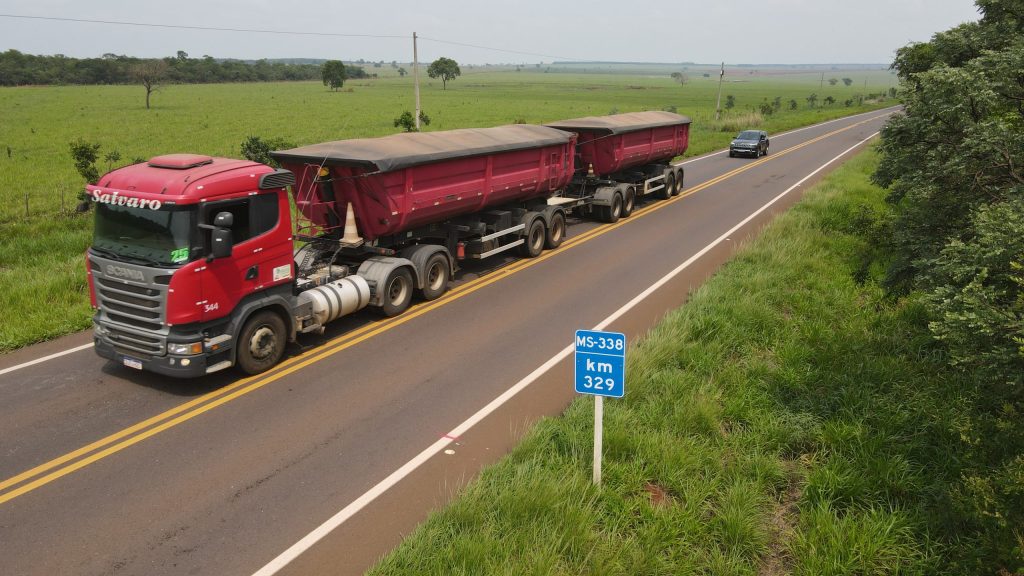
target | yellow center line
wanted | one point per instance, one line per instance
(134, 434)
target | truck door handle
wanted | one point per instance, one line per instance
(251, 273)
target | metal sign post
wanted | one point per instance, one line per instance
(600, 372)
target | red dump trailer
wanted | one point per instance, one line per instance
(196, 266)
(622, 157)
(405, 181)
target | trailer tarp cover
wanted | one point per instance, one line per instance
(400, 151)
(621, 123)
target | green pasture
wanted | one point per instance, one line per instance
(42, 281)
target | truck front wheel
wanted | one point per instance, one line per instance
(262, 342)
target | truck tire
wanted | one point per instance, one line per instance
(261, 342)
(435, 277)
(397, 292)
(679, 182)
(628, 200)
(555, 231)
(533, 239)
(613, 212)
(670, 183)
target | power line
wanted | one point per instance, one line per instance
(268, 31)
(206, 28)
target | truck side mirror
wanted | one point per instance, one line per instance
(223, 240)
(224, 220)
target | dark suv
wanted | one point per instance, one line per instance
(752, 142)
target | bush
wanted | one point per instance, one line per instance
(258, 150)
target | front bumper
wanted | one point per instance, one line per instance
(178, 366)
(745, 151)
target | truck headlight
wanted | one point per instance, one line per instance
(184, 349)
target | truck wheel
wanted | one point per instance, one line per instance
(555, 232)
(261, 343)
(670, 184)
(679, 182)
(533, 241)
(628, 200)
(611, 214)
(397, 292)
(435, 277)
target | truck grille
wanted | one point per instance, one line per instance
(152, 345)
(132, 311)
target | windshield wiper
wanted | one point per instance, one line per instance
(105, 252)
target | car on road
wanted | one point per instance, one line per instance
(749, 142)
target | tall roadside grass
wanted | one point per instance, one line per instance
(787, 420)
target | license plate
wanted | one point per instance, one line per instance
(132, 363)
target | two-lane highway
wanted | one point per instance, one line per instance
(328, 459)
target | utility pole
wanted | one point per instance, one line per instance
(416, 78)
(822, 83)
(718, 104)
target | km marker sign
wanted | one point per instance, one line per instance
(600, 363)
(600, 372)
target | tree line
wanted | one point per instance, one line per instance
(19, 69)
(953, 162)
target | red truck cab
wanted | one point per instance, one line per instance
(168, 299)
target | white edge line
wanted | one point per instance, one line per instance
(384, 485)
(84, 346)
(45, 358)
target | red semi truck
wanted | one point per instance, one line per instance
(197, 266)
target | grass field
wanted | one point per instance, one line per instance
(787, 420)
(42, 280)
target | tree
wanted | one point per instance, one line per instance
(766, 109)
(812, 99)
(258, 150)
(334, 74)
(847, 82)
(792, 104)
(149, 73)
(730, 101)
(681, 78)
(833, 81)
(953, 162)
(85, 155)
(444, 68)
(402, 72)
(408, 123)
(182, 55)
(829, 100)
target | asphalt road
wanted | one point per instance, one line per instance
(105, 470)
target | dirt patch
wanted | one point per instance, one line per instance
(659, 496)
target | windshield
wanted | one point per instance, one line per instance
(154, 237)
(749, 135)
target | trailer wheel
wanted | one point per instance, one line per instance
(628, 200)
(435, 277)
(555, 232)
(670, 184)
(533, 241)
(612, 213)
(397, 292)
(261, 342)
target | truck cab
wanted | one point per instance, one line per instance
(183, 245)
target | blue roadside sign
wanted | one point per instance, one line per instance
(601, 363)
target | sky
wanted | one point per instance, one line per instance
(484, 31)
